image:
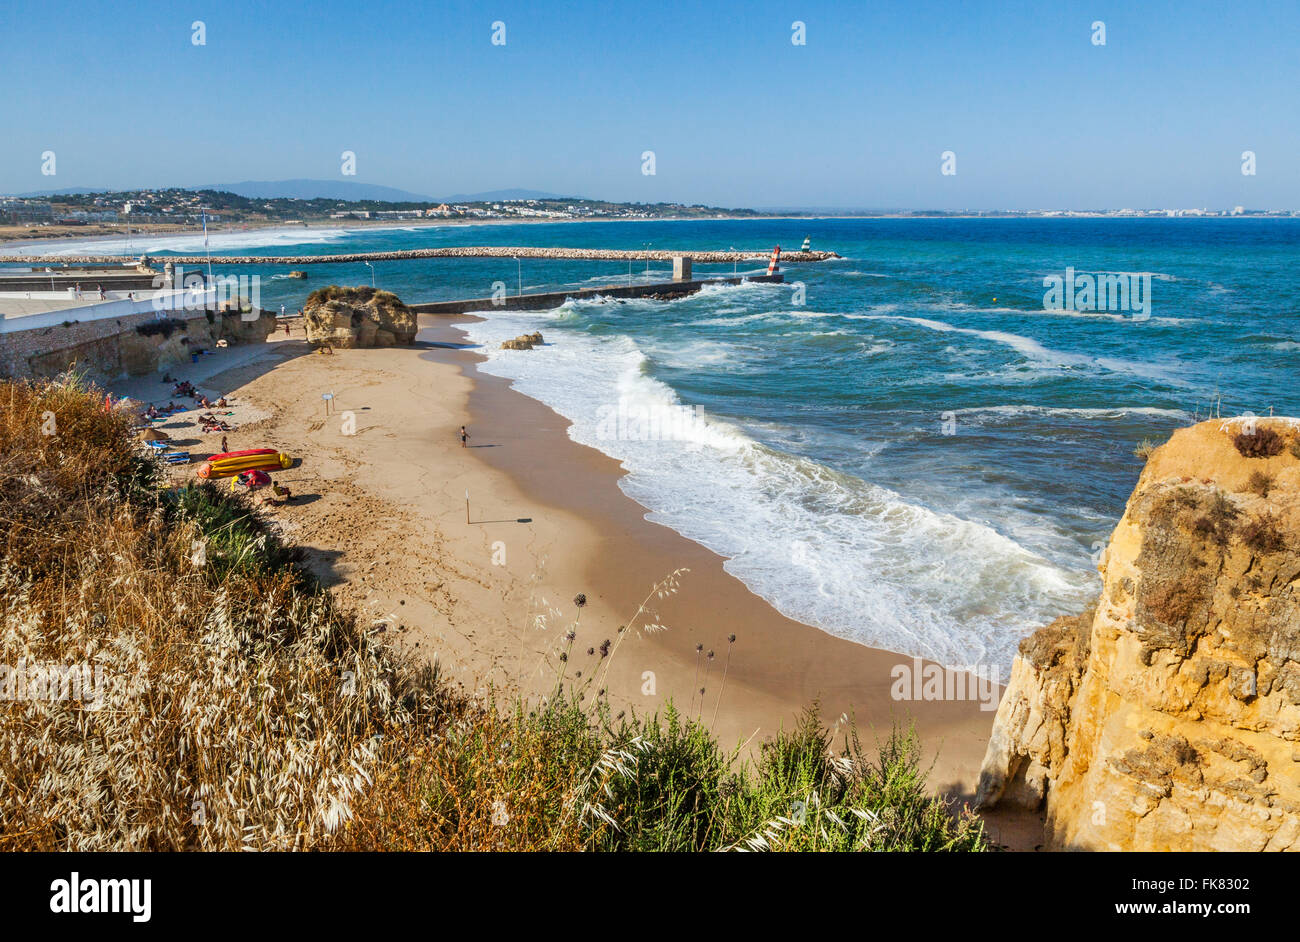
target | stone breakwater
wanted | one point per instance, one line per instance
(477, 251)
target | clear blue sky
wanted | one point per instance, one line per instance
(736, 114)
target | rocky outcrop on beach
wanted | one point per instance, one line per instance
(522, 342)
(1168, 718)
(471, 251)
(358, 317)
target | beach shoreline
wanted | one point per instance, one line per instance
(363, 225)
(473, 557)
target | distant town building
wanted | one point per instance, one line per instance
(26, 211)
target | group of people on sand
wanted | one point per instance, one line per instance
(186, 388)
(211, 424)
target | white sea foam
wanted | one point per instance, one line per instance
(190, 243)
(1035, 352)
(1117, 412)
(827, 548)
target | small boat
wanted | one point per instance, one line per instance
(230, 463)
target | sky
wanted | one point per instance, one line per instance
(1035, 114)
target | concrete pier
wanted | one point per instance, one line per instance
(661, 291)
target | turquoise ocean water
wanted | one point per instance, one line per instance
(918, 456)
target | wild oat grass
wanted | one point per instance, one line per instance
(239, 707)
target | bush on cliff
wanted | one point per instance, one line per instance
(185, 685)
(1262, 442)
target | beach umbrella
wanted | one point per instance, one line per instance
(153, 435)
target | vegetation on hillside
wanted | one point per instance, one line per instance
(174, 680)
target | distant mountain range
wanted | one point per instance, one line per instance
(328, 189)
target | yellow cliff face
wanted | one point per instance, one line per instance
(1169, 717)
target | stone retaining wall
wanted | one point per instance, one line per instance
(113, 347)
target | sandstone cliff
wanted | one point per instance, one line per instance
(1169, 717)
(358, 317)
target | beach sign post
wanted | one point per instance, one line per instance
(467, 506)
(328, 397)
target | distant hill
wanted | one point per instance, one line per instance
(305, 189)
(316, 189)
(66, 191)
(496, 195)
(345, 190)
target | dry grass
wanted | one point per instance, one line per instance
(230, 704)
(1263, 535)
(1145, 449)
(1260, 483)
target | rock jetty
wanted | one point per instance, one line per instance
(479, 251)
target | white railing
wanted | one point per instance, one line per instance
(163, 302)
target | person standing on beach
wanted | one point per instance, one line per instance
(224, 447)
(464, 436)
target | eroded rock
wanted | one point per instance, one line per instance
(1169, 717)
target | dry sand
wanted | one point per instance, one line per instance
(379, 503)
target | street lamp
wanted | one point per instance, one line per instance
(734, 262)
(520, 266)
(203, 211)
(372, 273)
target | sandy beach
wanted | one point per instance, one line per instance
(380, 505)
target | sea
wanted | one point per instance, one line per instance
(915, 446)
